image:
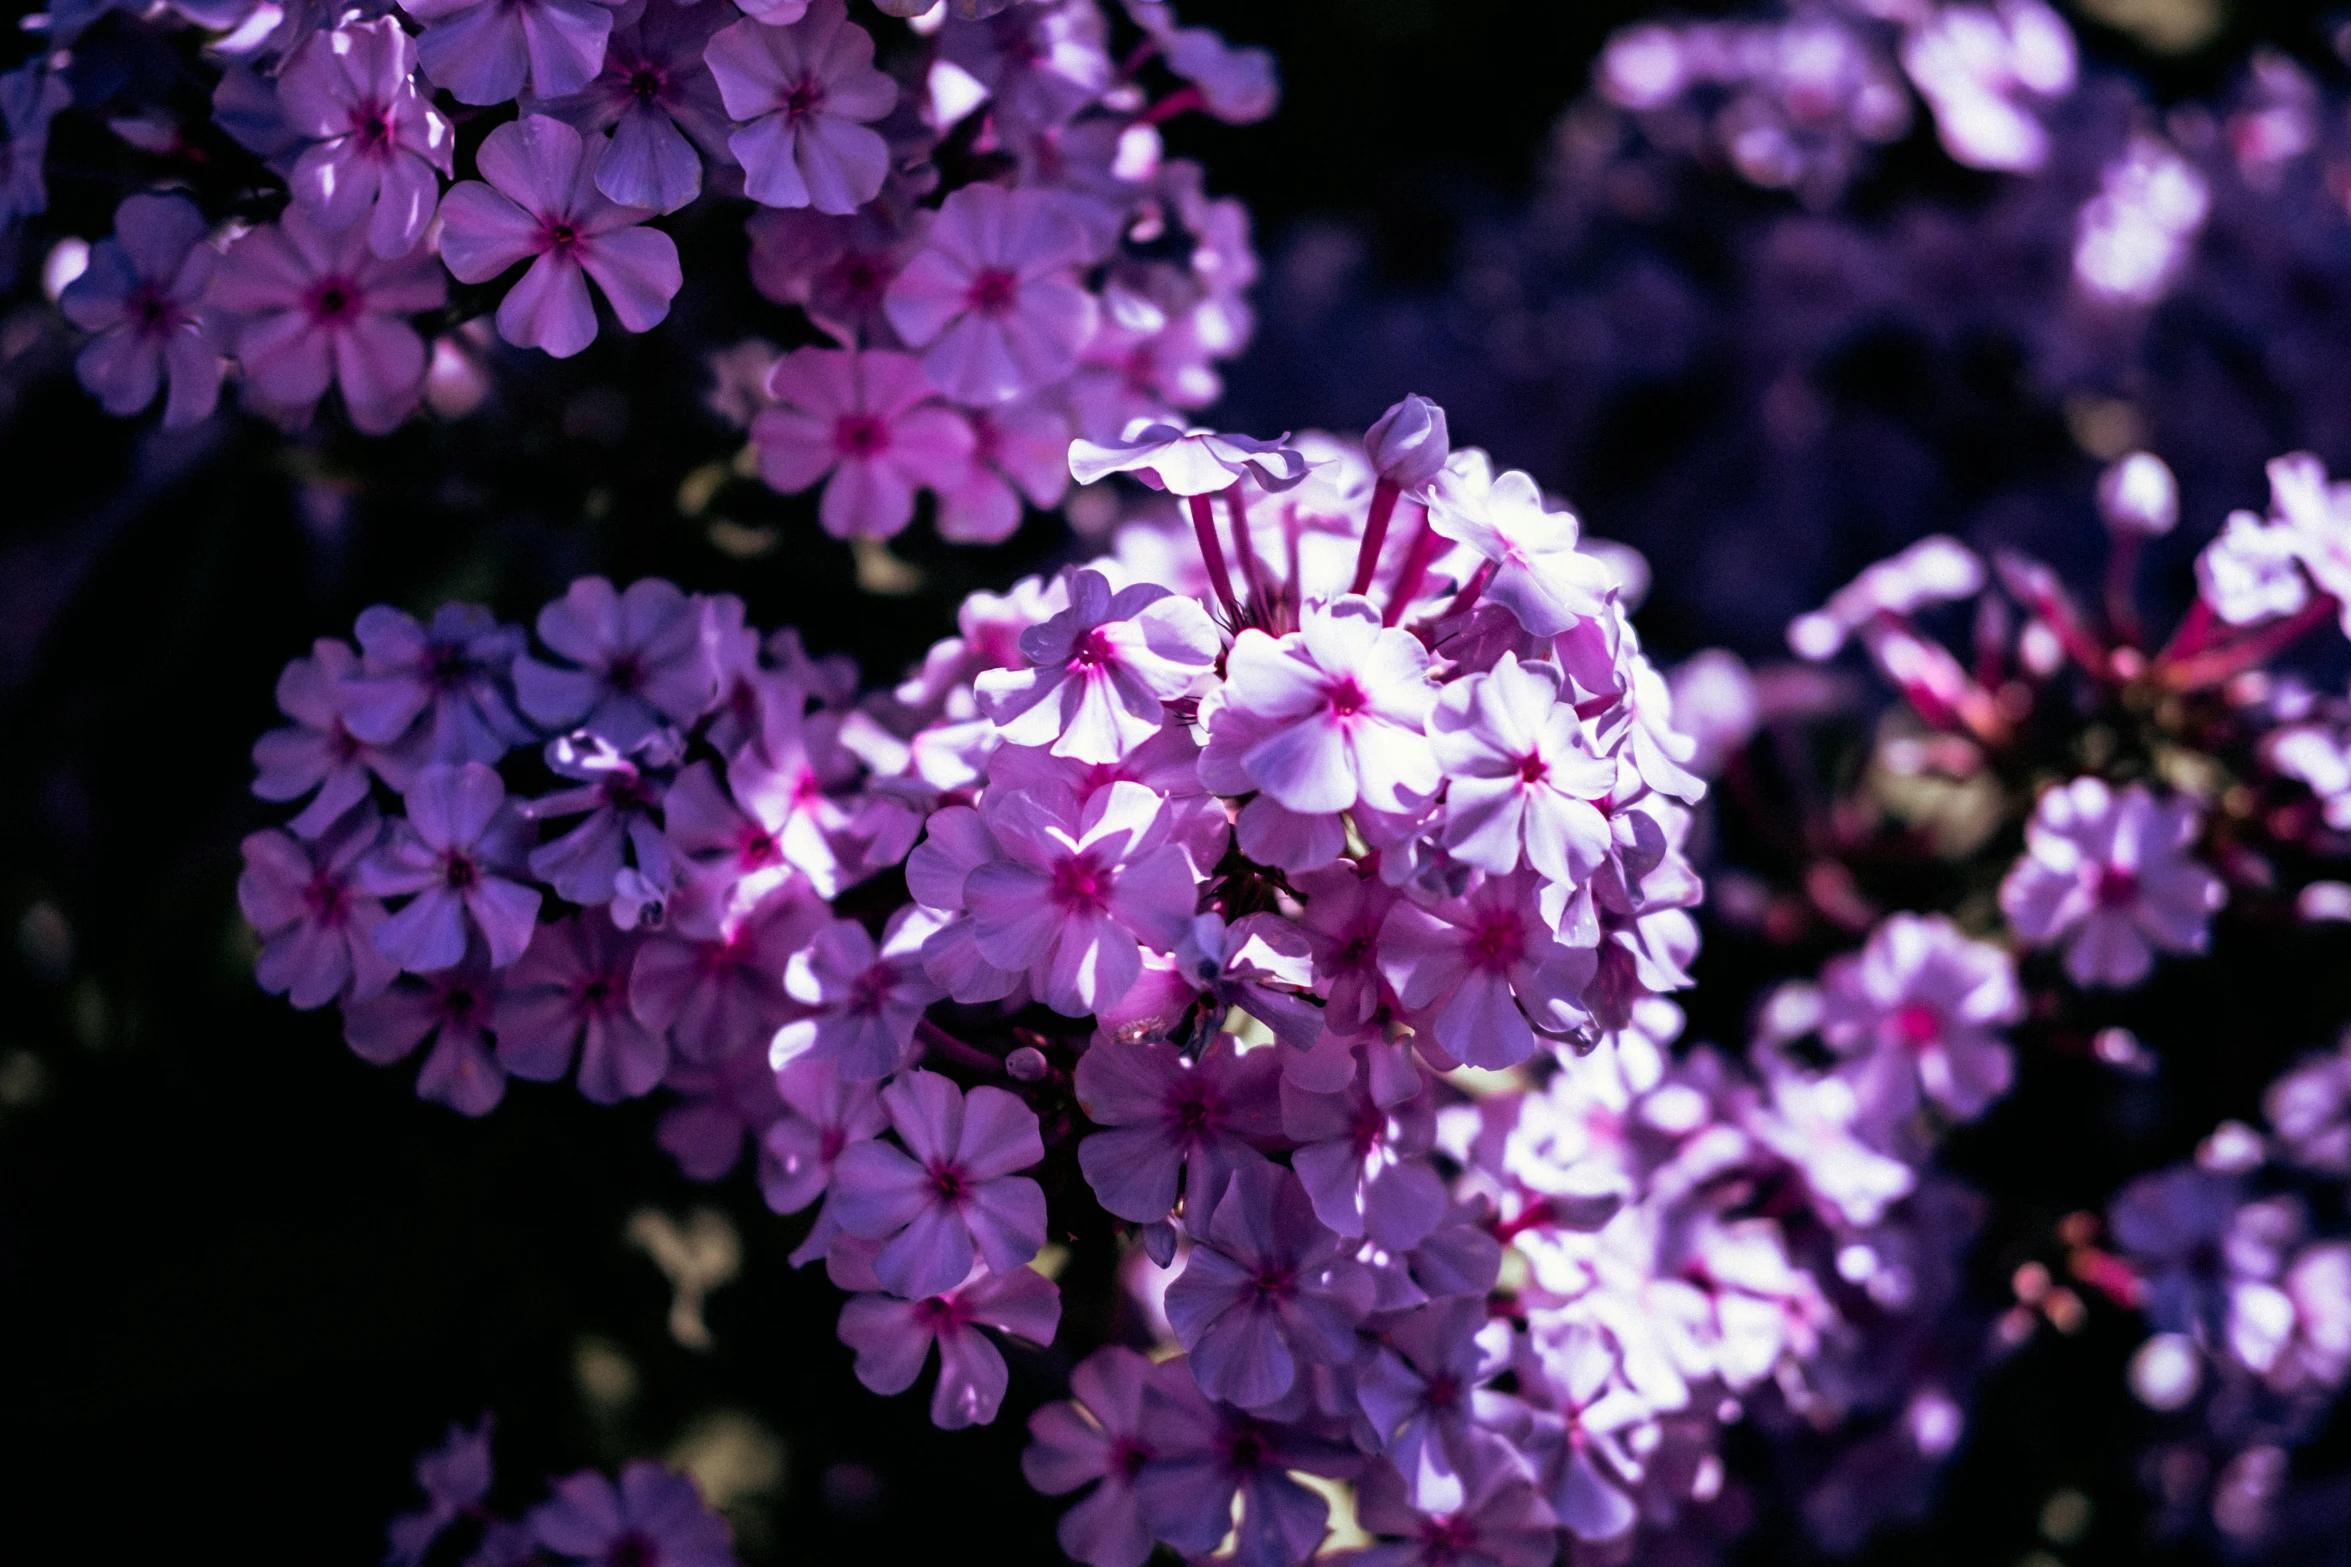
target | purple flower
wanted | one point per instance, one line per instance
(767, 827)
(143, 297)
(572, 988)
(893, 1339)
(2113, 878)
(458, 851)
(804, 93)
(1097, 1435)
(1362, 1161)
(1424, 1394)
(455, 1477)
(956, 1193)
(1019, 451)
(1266, 1287)
(2176, 1228)
(311, 309)
(453, 1008)
(2309, 1108)
(1522, 776)
(653, 1518)
(377, 141)
(1102, 671)
(618, 797)
(317, 929)
(1167, 1116)
(1486, 971)
(1538, 574)
(1345, 908)
(453, 673)
(870, 421)
(1920, 1009)
(1189, 462)
(317, 751)
(641, 661)
(868, 999)
(824, 1116)
(1326, 717)
(1040, 64)
(1500, 1523)
(1207, 1454)
(1074, 889)
(716, 1106)
(718, 994)
(1408, 444)
(994, 294)
(656, 97)
(542, 204)
(1236, 85)
(30, 97)
(483, 50)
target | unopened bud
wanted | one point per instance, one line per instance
(1409, 445)
(1027, 1064)
(2139, 495)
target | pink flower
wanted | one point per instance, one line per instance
(640, 655)
(719, 994)
(1102, 671)
(1207, 1454)
(824, 1116)
(142, 295)
(1097, 1436)
(1363, 1161)
(1522, 774)
(869, 1000)
(457, 850)
(1326, 717)
(805, 92)
(995, 294)
(869, 421)
(1040, 63)
(1074, 889)
(378, 141)
(572, 988)
(1920, 1009)
(453, 1008)
(656, 97)
(1019, 452)
(1486, 971)
(310, 309)
(1236, 85)
(1538, 573)
(893, 1339)
(1266, 1287)
(483, 50)
(1500, 1523)
(542, 204)
(1345, 907)
(1424, 1393)
(1166, 1116)
(769, 823)
(2112, 877)
(954, 1195)
(317, 928)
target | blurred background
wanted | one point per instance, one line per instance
(245, 1278)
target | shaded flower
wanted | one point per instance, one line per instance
(655, 95)
(952, 1192)
(1919, 1010)
(572, 988)
(484, 50)
(452, 674)
(1097, 1435)
(318, 751)
(718, 994)
(455, 1477)
(653, 1518)
(379, 147)
(824, 1115)
(142, 296)
(458, 851)
(453, 1008)
(994, 294)
(1205, 1455)
(2113, 878)
(867, 419)
(805, 93)
(317, 928)
(893, 1340)
(640, 655)
(867, 999)
(1166, 1116)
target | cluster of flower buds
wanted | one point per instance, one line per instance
(649, 1514)
(1327, 914)
(983, 221)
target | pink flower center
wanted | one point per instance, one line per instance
(1346, 697)
(560, 235)
(459, 1006)
(940, 1314)
(1532, 769)
(1448, 1539)
(1127, 1458)
(2117, 887)
(371, 127)
(1918, 1024)
(155, 311)
(1079, 884)
(333, 301)
(1274, 1283)
(756, 847)
(326, 900)
(1444, 1391)
(1190, 1110)
(870, 989)
(645, 84)
(947, 1182)
(1094, 653)
(1498, 940)
(624, 673)
(598, 993)
(992, 292)
(860, 435)
(805, 98)
(459, 870)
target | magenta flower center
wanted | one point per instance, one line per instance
(460, 1005)
(333, 301)
(645, 84)
(992, 291)
(633, 1549)
(154, 310)
(1127, 1458)
(1498, 940)
(597, 992)
(1095, 652)
(1190, 1110)
(1918, 1024)
(371, 127)
(561, 235)
(756, 847)
(1079, 884)
(860, 435)
(805, 98)
(1444, 1390)
(1532, 769)
(1274, 1282)
(947, 1182)
(1346, 697)
(1449, 1538)
(325, 899)
(624, 673)
(870, 989)
(2117, 887)
(459, 870)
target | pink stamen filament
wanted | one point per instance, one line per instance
(1375, 533)
(1416, 565)
(1245, 548)
(1212, 553)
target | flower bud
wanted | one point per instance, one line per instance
(1409, 445)
(2138, 495)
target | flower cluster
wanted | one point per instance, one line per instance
(648, 1513)
(980, 217)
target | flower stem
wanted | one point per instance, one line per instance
(1245, 549)
(2210, 668)
(1212, 552)
(1469, 592)
(1416, 565)
(1375, 534)
(1167, 108)
(936, 1041)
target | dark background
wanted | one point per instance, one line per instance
(245, 1277)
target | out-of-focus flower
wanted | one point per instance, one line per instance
(870, 421)
(2113, 877)
(380, 147)
(804, 94)
(653, 1516)
(1919, 1011)
(142, 295)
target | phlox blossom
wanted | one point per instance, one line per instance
(868, 420)
(951, 1193)
(1101, 671)
(804, 94)
(381, 148)
(893, 1340)
(142, 296)
(993, 296)
(2112, 877)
